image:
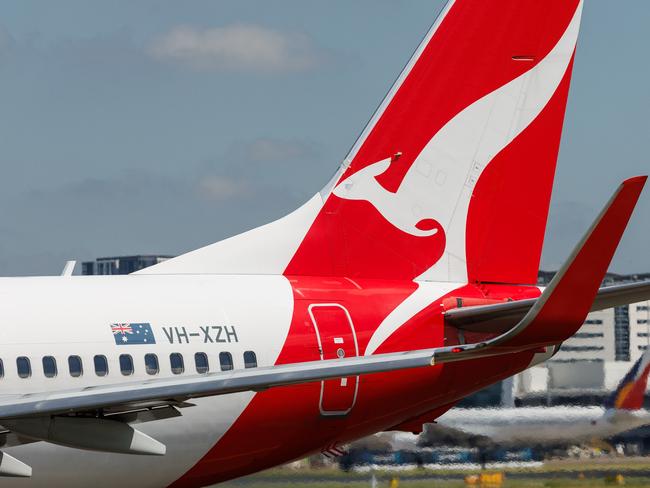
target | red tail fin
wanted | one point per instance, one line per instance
(452, 178)
(630, 393)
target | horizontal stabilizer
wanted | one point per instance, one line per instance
(500, 317)
(630, 393)
(563, 306)
(574, 291)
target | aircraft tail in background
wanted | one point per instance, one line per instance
(630, 393)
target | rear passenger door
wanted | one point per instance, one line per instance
(336, 339)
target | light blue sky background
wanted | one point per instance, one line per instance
(159, 126)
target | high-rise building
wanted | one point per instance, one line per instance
(622, 333)
(595, 341)
(639, 327)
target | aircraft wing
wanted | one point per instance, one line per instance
(500, 317)
(134, 395)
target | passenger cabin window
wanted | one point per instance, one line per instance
(126, 364)
(225, 360)
(250, 359)
(201, 362)
(49, 366)
(75, 366)
(151, 363)
(2, 369)
(176, 362)
(24, 367)
(101, 365)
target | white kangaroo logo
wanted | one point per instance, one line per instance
(398, 208)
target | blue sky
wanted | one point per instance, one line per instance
(124, 131)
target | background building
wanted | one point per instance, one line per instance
(121, 265)
(588, 366)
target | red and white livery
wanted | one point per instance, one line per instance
(405, 284)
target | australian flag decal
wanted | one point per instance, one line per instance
(132, 334)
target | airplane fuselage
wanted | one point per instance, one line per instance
(542, 425)
(223, 318)
(443, 198)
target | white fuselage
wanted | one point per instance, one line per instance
(540, 425)
(64, 316)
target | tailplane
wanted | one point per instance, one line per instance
(630, 393)
(451, 179)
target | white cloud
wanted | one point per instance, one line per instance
(238, 47)
(222, 189)
(265, 150)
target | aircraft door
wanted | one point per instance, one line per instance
(336, 339)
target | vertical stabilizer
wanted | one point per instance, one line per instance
(630, 393)
(451, 179)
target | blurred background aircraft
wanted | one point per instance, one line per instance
(621, 412)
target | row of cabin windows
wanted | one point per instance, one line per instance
(100, 363)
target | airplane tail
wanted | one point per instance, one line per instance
(629, 394)
(451, 179)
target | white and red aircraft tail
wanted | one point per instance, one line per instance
(451, 179)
